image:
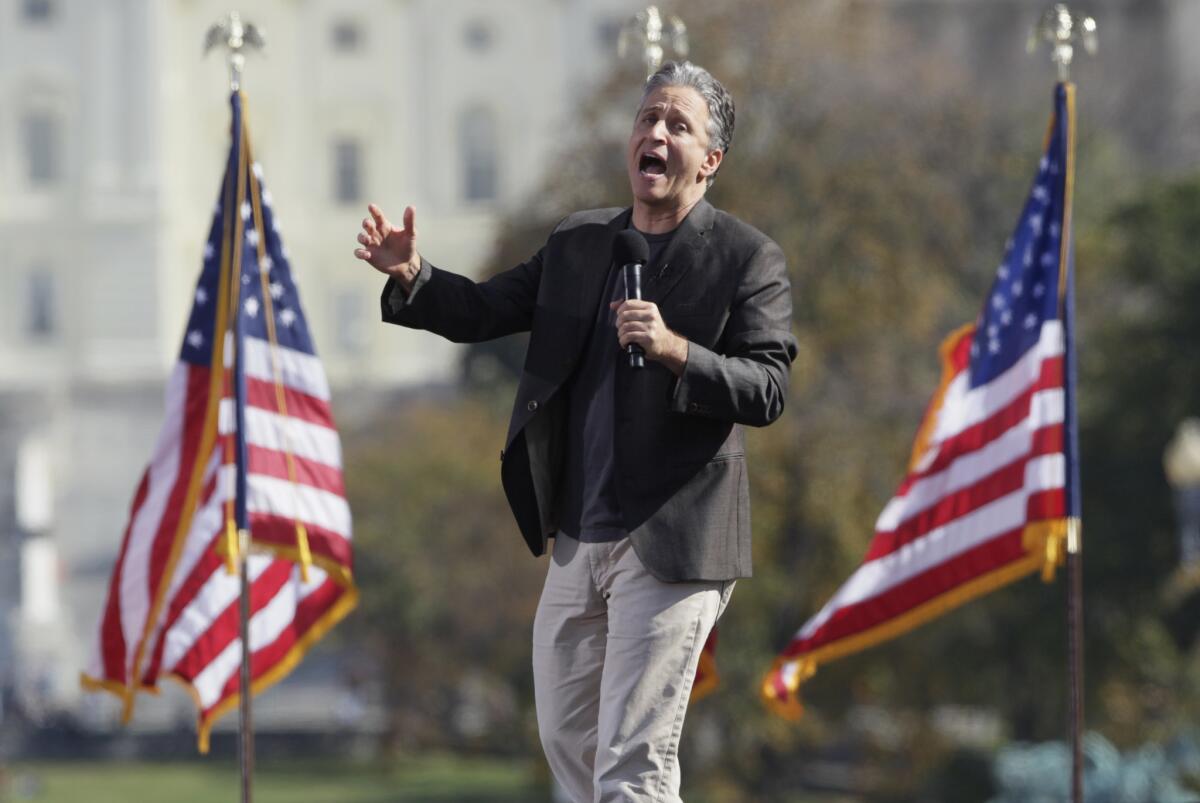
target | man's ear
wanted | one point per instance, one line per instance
(711, 162)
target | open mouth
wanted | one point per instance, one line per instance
(652, 165)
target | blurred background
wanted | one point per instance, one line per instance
(885, 144)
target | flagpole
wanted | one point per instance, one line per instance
(1074, 556)
(236, 524)
(1062, 28)
(236, 36)
(245, 693)
(1075, 656)
(245, 711)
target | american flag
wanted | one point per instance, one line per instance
(249, 443)
(992, 478)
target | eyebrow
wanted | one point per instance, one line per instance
(687, 114)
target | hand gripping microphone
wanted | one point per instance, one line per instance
(630, 251)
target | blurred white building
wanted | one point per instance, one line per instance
(113, 136)
(113, 132)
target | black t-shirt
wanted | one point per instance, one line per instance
(590, 509)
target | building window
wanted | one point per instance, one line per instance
(37, 10)
(40, 132)
(477, 143)
(350, 315)
(347, 36)
(608, 31)
(41, 322)
(347, 171)
(478, 35)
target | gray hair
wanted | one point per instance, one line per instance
(716, 97)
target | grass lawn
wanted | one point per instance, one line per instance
(431, 780)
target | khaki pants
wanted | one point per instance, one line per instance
(614, 655)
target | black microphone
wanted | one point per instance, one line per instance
(630, 251)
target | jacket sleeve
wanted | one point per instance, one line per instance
(747, 382)
(462, 310)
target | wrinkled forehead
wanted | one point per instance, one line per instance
(682, 99)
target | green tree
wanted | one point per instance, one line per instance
(893, 210)
(891, 189)
(1140, 378)
(448, 589)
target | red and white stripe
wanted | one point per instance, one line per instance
(994, 464)
(185, 625)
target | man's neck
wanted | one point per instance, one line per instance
(652, 220)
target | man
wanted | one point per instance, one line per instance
(638, 474)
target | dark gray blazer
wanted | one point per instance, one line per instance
(681, 465)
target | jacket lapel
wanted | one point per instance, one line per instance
(596, 264)
(681, 253)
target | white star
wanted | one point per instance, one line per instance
(195, 339)
(1040, 193)
(201, 296)
(252, 236)
(1054, 168)
(267, 198)
(1017, 288)
(1030, 321)
(287, 316)
(1002, 272)
(252, 307)
(993, 331)
(994, 346)
(1006, 317)
(998, 301)
(265, 263)
(208, 251)
(1043, 163)
(246, 210)
(1039, 290)
(216, 208)
(1054, 230)
(258, 172)
(1035, 223)
(1028, 259)
(283, 250)
(275, 224)
(1048, 259)
(276, 290)
(245, 278)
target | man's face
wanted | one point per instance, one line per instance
(668, 158)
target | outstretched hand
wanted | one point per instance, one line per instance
(388, 249)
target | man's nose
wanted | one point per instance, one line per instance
(658, 131)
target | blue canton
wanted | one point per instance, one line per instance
(1026, 290)
(291, 328)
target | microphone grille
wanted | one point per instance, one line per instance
(630, 246)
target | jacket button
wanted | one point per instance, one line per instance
(532, 406)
